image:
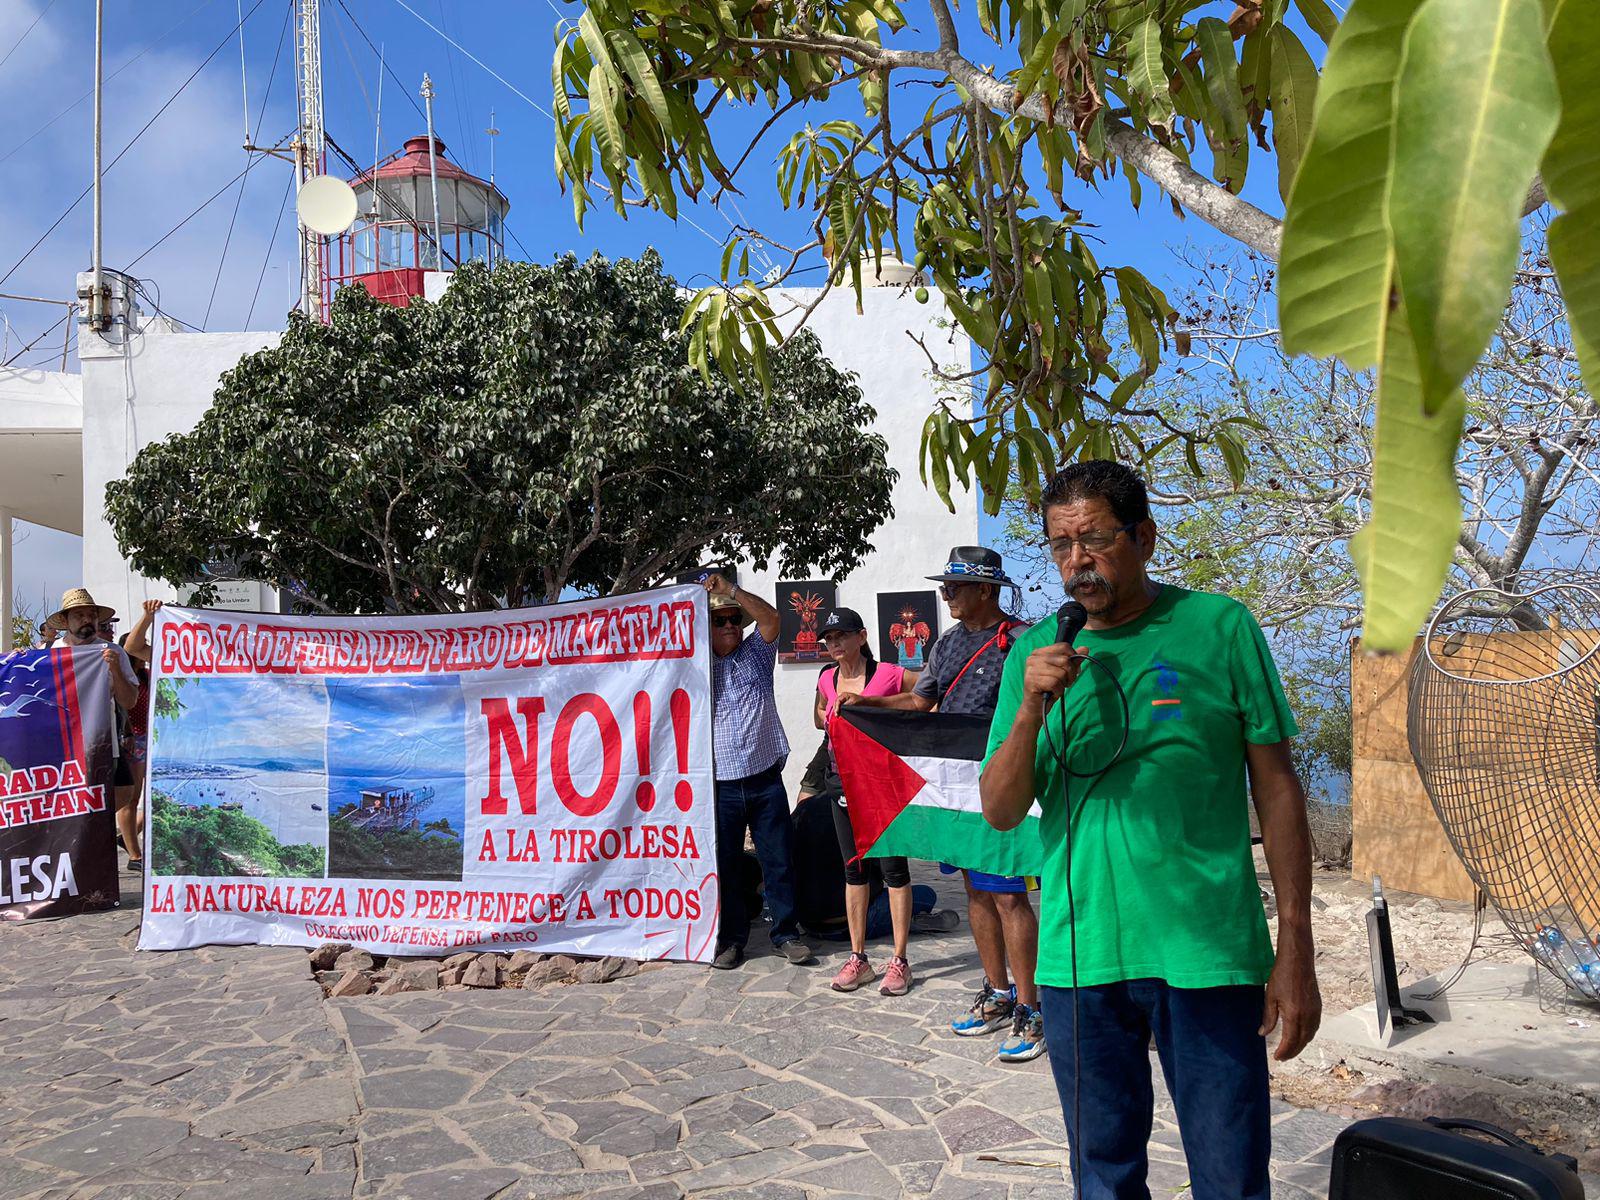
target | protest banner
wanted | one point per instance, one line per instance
(58, 836)
(529, 778)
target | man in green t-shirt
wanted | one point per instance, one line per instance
(1151, 926)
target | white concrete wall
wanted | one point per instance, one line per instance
(158, 384)
(894, 376)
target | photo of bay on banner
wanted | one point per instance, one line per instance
(526, 777)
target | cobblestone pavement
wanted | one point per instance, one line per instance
(222, 1073)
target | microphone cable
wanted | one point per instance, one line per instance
(1092, 777)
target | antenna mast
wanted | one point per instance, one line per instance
(310, 144)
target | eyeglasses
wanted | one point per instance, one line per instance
(1096, 541)
(724, 621)
(948, 590)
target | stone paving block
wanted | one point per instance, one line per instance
(96, 1146)
(515, 1138)
(972, 1127)
(405, 1153)
(862, 1075)
(781, 1130)
(861, 1173)
(953, 1187)
(1303, 1134)
(576, 1183)
(755, 1167)
(653, 1191)
(655, 1166)
(431, 1088)
(469, 1183)
(330, 1099)
(896, 1146)
(918, 1179)
(206, 1159)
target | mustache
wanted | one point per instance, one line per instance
(1086, 578)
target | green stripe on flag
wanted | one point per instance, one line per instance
(962, 839)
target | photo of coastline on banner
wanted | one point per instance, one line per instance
(908, 625)
(801, 608)
(530, 778)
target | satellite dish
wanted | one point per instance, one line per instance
(326, 205)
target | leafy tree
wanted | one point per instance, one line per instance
(537, 429)
(208, 840)
(1405, 164)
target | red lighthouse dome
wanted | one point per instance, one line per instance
(392, 245)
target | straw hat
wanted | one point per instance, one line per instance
(723, 603)
(77, 598)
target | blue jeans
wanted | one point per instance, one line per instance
(1215, 1064)
(762, 803)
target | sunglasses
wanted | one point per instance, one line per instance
(949, 590)
(724, 622)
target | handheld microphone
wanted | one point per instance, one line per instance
(1071, 617)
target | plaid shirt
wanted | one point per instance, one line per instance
(746, 733)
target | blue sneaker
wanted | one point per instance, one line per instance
(990, 1011)
(1026, 1042)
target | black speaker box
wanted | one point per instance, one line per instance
(1396, 1158)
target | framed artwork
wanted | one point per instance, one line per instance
(701, 573)
(801, 606)
(908, 623)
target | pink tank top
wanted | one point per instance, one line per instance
(886, 681)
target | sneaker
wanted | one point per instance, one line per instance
(1026, 1042)
(795, 951)
(938, 920)
(990, 1011)
(856, 972)
(728, 958)
(136, 864)
(896, 978)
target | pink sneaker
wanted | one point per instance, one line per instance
(855, 972)
(896, 978)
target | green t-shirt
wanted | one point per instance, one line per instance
(1162, 874)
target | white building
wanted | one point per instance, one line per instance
(64, 437)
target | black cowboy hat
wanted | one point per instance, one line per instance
(974, 564)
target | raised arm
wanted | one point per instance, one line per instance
(766, 617)
(138, 645)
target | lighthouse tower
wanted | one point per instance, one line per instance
(398, 238)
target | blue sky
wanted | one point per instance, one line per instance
(221, 721)
(193, 150)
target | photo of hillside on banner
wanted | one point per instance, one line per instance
(528, 777)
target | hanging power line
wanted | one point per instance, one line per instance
(204, 204)
(452, 42)
(267, 258)
(148, 47)
(251, 139)
(170, 99)
(26, 32)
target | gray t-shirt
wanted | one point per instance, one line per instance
(976, 690)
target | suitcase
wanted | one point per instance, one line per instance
(1397, 1158)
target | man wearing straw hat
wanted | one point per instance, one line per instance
(78, 621)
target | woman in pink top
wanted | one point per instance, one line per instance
(856, 672)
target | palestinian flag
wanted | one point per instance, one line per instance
(911, 787)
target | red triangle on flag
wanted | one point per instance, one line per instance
(878, 782)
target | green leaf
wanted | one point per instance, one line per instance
(1233, 455)
(1475, 107)
(1403, 552)
(637, 65)
(1148, 75)
(1334, 264)
(602, 102)
(1572, 177)
(1320, 17)
(1222, 76)
(1038, 62)
(1294, 96)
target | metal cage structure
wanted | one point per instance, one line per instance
(1504, 727)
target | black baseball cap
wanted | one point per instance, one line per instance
(841, 620)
